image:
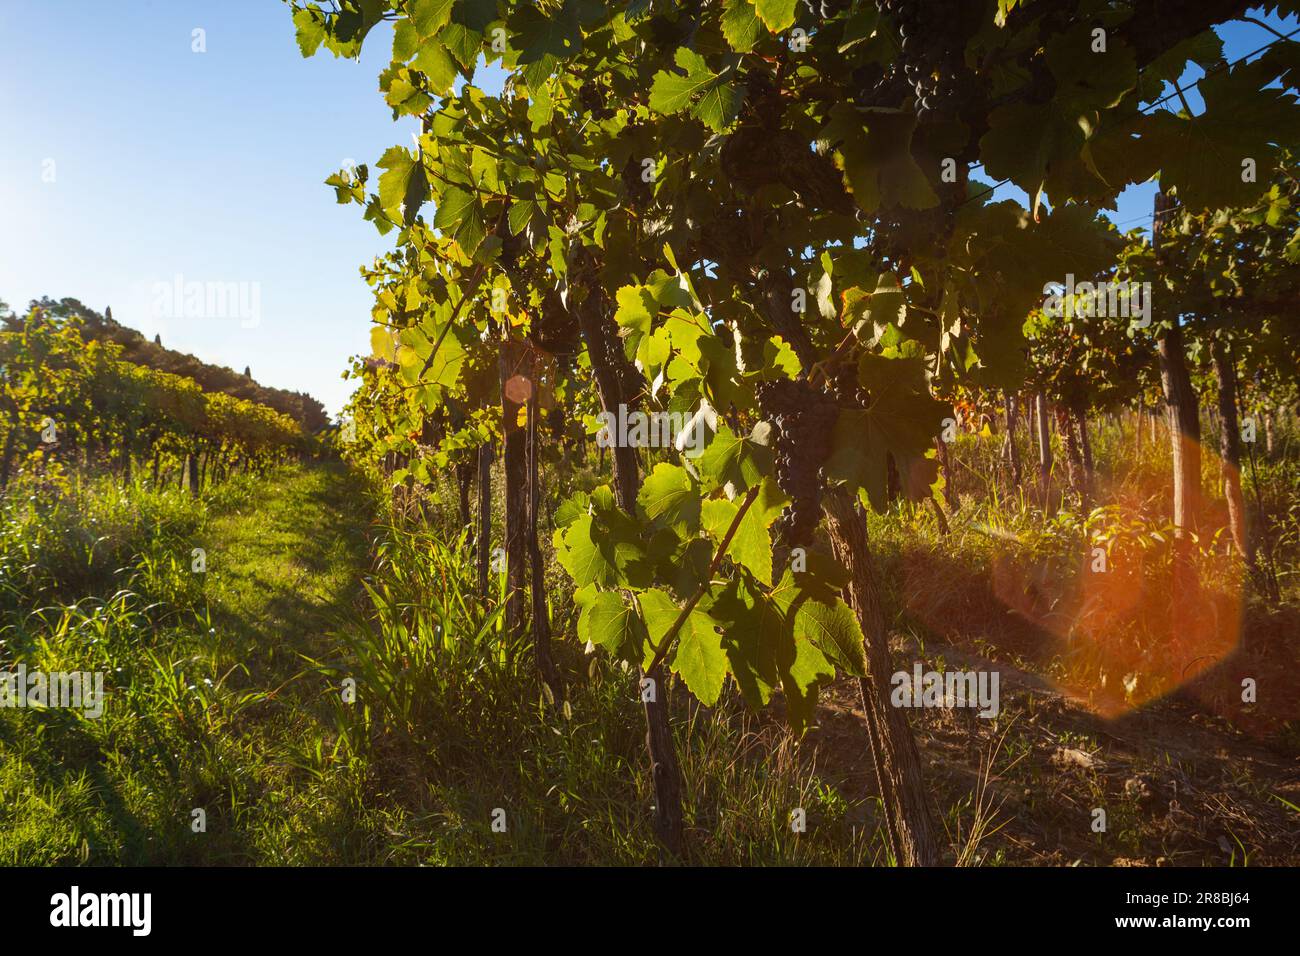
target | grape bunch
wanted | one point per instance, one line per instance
(554, 327)
(844, 389)
(511, 245)
(904, 237)
(827, 9)
(933, 38)
(803, 419)
(592, 97)
(637, 191)
(880, 87)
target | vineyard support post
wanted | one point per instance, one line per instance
(1230, 447)
(1013, 453)
(1044, 448)
(483, 540)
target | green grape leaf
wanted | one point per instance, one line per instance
(1202, 156)
(718, 103)
(435, 62)
(636, 308)
(430, 16)
(740, 25)
(310, 29)
(544, 37)
(668, 494)
(834, 628)
(592, 552)
(802, 673)
(751, 545)
(777, 15)
(609, 620)
(753, 627)
(698, 658)
(734, 462)
(403, 186)
(876, 158)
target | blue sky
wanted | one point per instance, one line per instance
(128, 160)
(207, 165)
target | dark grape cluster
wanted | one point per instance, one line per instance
(826, 9)
(637, 191)
(843, 387)
(877, 86)
(903, 237)
(593, 99)
(803, 420)
(511, 245)
(555, 328)
(933, 38)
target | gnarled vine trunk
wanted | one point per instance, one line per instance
(1085, 448)
(541, 618)
(602, 346)
(1180, 403)
(1184, 428)
(191, 473)
(893, 748)
(1070, 443)
(949, 483)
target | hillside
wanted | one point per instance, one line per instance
(300, 406)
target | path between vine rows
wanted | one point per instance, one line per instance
(284, 570)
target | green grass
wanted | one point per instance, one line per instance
(210, 703)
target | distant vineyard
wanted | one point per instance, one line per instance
(307, 411)
(71, 402)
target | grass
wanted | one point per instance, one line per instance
(333, 690)
(210, 705)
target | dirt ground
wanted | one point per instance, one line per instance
(1180, 785)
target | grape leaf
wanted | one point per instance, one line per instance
(750, 546)
(777, 15)
(834, 628)
(698, 659)
(669, 494)
(610, 621)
